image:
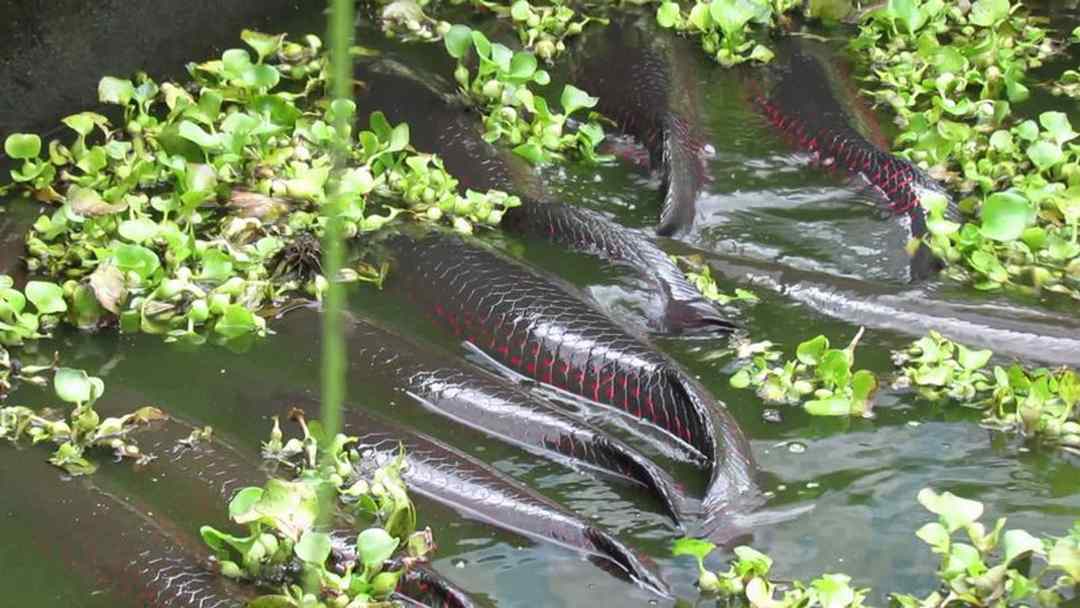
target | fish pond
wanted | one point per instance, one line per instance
(813, 255)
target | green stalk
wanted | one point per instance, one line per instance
(333, 363)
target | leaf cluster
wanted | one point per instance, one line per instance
(726, 27)
(820, 377)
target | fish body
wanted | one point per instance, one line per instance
(644, 77)
(439, 125)
(804, 104)
(444, 474)
(109, 542)
(453, 388)
(541, 328)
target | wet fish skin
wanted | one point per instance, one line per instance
(543, 329)
(445, 384)
(804, 106)
(444, 474)
(644, 78)
(112, 542)
(440, 126)
(424, 586)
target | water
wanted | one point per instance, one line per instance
(858, 477)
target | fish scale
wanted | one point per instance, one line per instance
(590, 355)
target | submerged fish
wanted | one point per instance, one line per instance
(439, 125)
(453, 388)
(805, 104)
(644, 77)
(108, 544)
(543, 329)
(441, 473)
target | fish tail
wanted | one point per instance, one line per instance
(682, 176)
(642, 571)
(424, 586)
(647, 473)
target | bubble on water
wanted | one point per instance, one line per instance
(796, 447)
(459, 563)
(812, 485)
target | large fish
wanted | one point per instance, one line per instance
(543, 329)
(444, 474)
(451, 387)
(439, 125)
(804, 103)
(644, 76)
(111, 546)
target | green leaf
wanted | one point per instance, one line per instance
(988, 12)
(243, 501)
(193, 132)
(22, 145)
(668, 14)
(84, 122)
(375, 546)
(458, 40)
(972, 359)
(935, 535)
(115, 90)
(955, 512)
(741, 379)
(399, 137)
(137, 259)
(314, 547)
(694, 547)
(236, 321)
(1004, 216)
(1058, 126)
(753, 560)
(138, 230)
(520, 10)
(574, 99)
(835, 368)
(47, 298)
(73, 385)
(730, 15)
(1065, 556)
(863, 384)
(810, 351)
(1018, 543)
(1045, 154)
(265, 45)
(531, 152)
(833, 406)
(523, 66)
(834, 590)
(909, 16)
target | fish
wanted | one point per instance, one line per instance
(646, 80)
(451, 477)
(440, 125)
(803, 103)
(449, 386)
(203, 476)
(543, 329)
(111, 544)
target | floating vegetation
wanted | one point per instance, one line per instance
(726, 27)
(700, 276)
(820, 377)
(500, 88)
(289, 546)
(82, 429)
(952, 73)
(180, 221)
(995, 567)
(1039, 403)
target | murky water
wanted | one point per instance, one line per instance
(857, 478)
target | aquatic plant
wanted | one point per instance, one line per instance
(541, 28)
(181, 219)
(820, 377)
(700, 276)
(725, 27)
(500, 88)
(951, 74)
(288, 546)
(1039, 403)
(991, 569)
(82, 429)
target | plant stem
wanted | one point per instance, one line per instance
(333, 355)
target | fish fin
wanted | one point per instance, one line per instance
(639, 569)
(681, 178)
(486, 361)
